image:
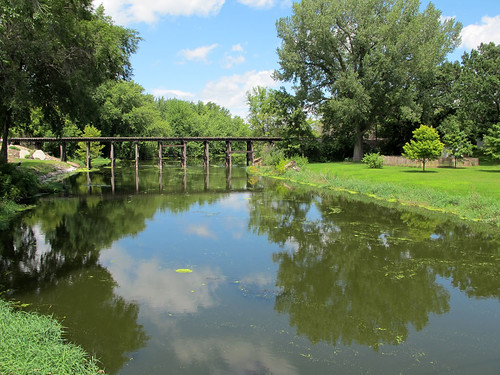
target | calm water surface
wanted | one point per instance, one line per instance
(284, 280)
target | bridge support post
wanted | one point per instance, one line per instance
(184, 155)
(89, 162)
(206, 155)
(62, 151)
(112, 154)
(136, 147)
(207, 179)
(249, 153)
(229, 161)
(160, 155)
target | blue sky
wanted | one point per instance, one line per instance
(217, 50)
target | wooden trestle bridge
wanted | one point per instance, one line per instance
(163, 142)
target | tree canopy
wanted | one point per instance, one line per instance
(359, 62)
(53, 54)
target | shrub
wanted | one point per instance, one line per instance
(373, 160)
(281, 166)
(273, 157)
(16, 183)
(301, 161)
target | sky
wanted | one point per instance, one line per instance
(218, 50)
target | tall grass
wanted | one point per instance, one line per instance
(33, 344)
(471, 193)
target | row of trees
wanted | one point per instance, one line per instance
(65, 66)
(360, 69)
(53, 55)
(122, 108)
(376, 69)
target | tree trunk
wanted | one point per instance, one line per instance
(358, 145)
(5, 133)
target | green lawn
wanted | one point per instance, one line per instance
(471, 193)
(484, 180)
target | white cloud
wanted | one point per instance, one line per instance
(237, 48)
(230, 91)
(149, 11)
(230, 61)
(487, 31)
(258, 3)
(198, 54)
(172, 93)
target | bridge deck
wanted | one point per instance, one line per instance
(182, 140)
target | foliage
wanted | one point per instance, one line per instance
(54, 54)
(362, 62)
(492, 142)
(373, 160)
(16, 183)
(278, 113)
(33, 343)
(477, 89)
(425, 145)
(281, 166)
(273, 156)
(125, 110)
(455, 140)
(95, 147)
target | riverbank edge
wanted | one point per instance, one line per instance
(33, 343)
(458, 207)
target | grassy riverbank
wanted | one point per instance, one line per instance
(31, 343)
(471, 193)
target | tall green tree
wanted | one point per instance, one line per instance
(53, 54)
(363, 59)
(492, 142)
(125, 110)
(455, 139)
(477, 89)
(424, 146)
(278, 113)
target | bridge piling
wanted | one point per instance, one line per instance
(89, 162)
(206, 154)
(229, 161)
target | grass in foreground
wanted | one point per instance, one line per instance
(471, 193)
(31, 343)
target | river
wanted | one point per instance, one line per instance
(181, 271)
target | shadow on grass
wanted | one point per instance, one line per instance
(489, 171)
(420, 171)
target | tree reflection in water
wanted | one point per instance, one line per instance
(351, 273)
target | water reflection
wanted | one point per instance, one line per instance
(351, 273)
(267, 257)
(228, 355)
(161, 289)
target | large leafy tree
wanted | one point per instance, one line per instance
(478, 89)
(53, 54)
(125, 110)
(363, 60)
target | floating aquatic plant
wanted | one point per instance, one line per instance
(184, 270)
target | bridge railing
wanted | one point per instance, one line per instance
(179, 142)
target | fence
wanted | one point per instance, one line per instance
(441, 162)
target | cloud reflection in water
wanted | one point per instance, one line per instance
(161, 288)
